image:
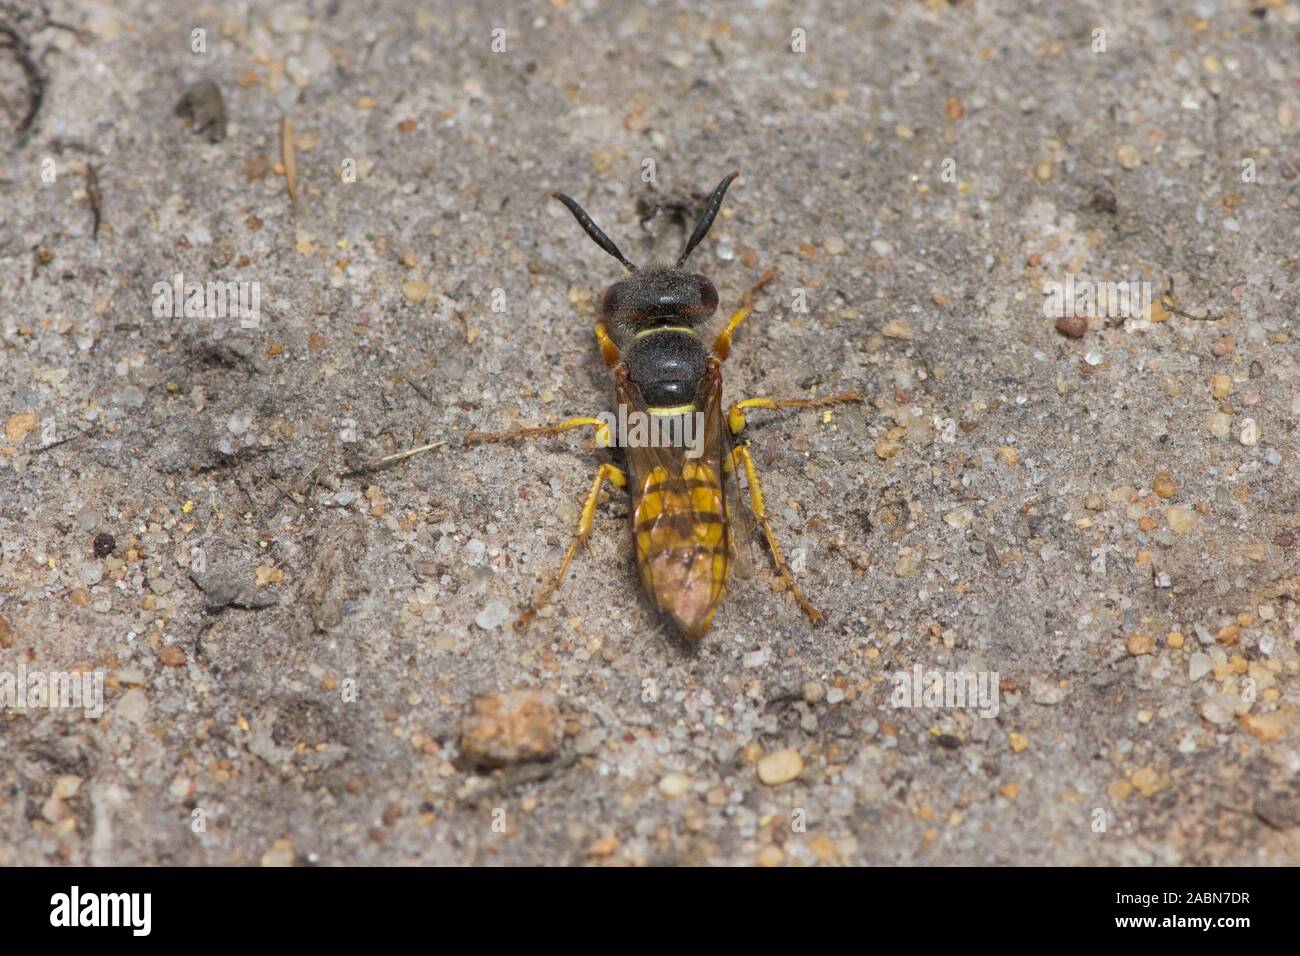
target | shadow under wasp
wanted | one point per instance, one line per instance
(649, 334)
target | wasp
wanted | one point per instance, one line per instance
(683, 499)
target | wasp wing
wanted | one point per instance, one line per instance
(680, 514)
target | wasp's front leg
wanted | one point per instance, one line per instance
(608, 350)
(722, 344)
(603, 437)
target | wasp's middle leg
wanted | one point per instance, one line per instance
(604, 473)
(736, 417)
(740, 457)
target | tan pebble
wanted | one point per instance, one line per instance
(1180, 520)
(512, 727)
(823, 847)
(1174, 639)
(1017, 741)
(280, 854)
(1075, 326)
(1219, 424)
(674, 785)
(1221, 386)
(1266, 727)
(780, 767)
(1119, 789)
(897, 329)
(1164, 486)
(171, 655)
(1223, 346)
(605, 846)
(19, 425)
(415, 291)
(1128, 156)
(66, 787)
(890, 444)
(1147, 782)
(770, 856)
(1139, 643)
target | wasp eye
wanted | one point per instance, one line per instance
(613, 302)
(708, 294)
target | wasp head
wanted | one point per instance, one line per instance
(660, 294)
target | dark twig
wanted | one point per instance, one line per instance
(11, 40)
(96, 199)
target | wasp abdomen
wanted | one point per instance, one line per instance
(667, 365)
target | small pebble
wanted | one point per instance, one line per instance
(1198, 666)
(1180, 520)
(513, 727)
(492, 616)
(1128, 156)
(834, 245)
(88, 518)
(780, 767)
(1072, 325)
(675, 785)
(1219, 424)
(1139, 643)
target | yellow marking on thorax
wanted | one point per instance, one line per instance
(665, 328)
(673, 410)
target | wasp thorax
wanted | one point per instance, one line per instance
(659, 296)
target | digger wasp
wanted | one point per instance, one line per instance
(684, 529)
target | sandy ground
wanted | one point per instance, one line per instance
(289, 654)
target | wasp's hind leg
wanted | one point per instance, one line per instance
(722, 344)
(604, 473)
(740, 457)
(736, 417)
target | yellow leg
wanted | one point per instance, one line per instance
(603, 437)
(603, 473)
(757, 504)
(722, 344)
(736, 417)
(608, 349)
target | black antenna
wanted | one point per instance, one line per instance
(706, 220)
(593, 230)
